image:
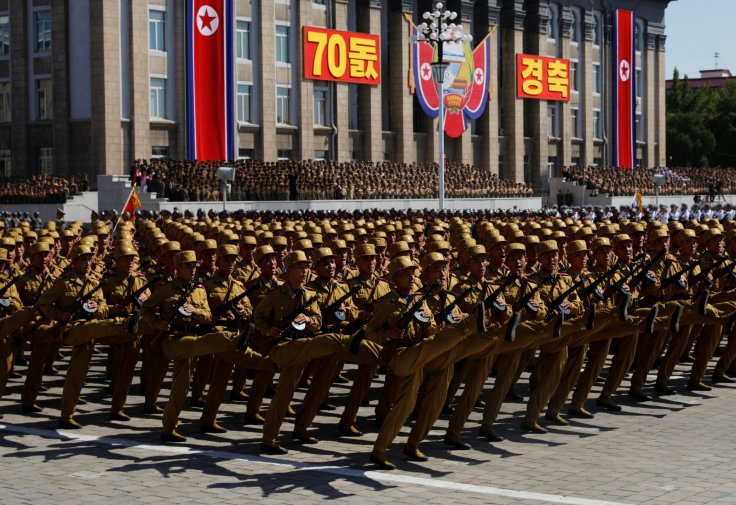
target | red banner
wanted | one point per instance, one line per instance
(624, 104)
(210, 111)
(542, 78)
(333, 55)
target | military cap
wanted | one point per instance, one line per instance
(279, 240)
(227, 250)
(171, 246)
(689, 233)
(322, 253)
(547, 246)
(263, 251)
(438, 245)
(81, 250)
(125, 250)
(184, 257)
(658, 233)
(294, 258)
(493, 240)
(207, 245)
(338, 245)
(400, 263)
(621, 237)
(378, 242)
(472, 251)
(364, 250)
(714, 233)
(600, 242)
(577, 246)
(8, 242)
(248, 240)
(530, 240)
(675, 226)
(303, 245)
(40, 247)
(3, 254)
(515, 246)
(397, 248)
(430, 259)
(316, 239)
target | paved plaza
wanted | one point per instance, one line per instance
(677, 450)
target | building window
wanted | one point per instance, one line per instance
(575, 119)
(4, 36)
(551, 32)
(597, 162)
(574, 76)
(5, 110)
(246, 154)
(44, 95)
(284, 154)
(596, 78)
(282, 104)
(320, 107)
(638, 38)
(244, 108)
(320, 155)
(46, 160)
(639, 128)
(282, 44)
(596, 31)
(5, 159)
(156, 30)
(552, 123)
(638, 83)
(159, 152)
(42, 21)
(242, 40)
(597, 132)
(575, 29)
(158, 97)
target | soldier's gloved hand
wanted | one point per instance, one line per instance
(302, 318)
(92, 305)
(189, 308)
(143, 297)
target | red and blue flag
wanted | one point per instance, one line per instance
(624, 102)
(210, 78)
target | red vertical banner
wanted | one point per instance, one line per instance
(210, 80)
(624, 103)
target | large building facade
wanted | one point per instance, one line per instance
(88, 86)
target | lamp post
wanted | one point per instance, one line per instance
(435, 31)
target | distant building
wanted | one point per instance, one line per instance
(715, 79)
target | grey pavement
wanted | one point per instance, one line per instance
(677, 450)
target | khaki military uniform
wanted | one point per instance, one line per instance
(11, 304)
(63, 297)
(118, 292)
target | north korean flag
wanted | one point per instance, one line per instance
(624, 104)
(210, 77)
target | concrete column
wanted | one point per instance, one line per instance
(265, 68)
(59, 51)
(19, 88)
(140, 131)
(105, 65)
(650, 77)
(401, 100)
(180, 78)
(661, 126)
(565, 133)
(342, 101)
(370, 114)
(607, 91)
(585, 64)
(537, 43)
(512, 17)
(487, 17)
(305, 89)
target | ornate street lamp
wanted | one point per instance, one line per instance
(436, 31)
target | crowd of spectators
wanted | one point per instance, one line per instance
(710, 182)
(41, 189)
(319, 180)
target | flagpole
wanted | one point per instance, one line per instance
(120, 214)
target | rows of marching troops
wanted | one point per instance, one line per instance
(434, 305)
